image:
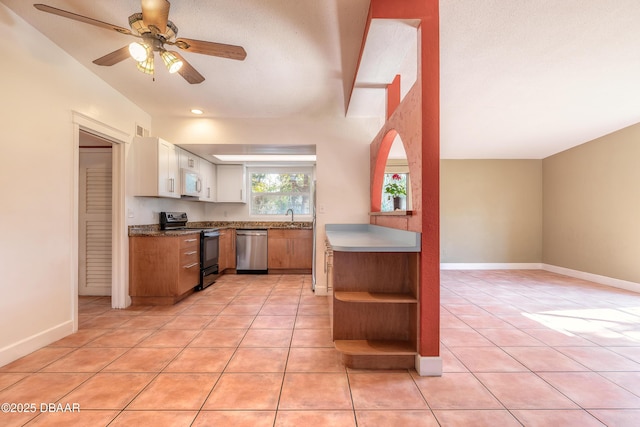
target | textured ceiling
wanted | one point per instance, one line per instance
(298, 53)
(519, 79)
(527, 79)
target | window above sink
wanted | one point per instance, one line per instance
(275, 190)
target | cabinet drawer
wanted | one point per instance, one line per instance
(189, 256)
(190, 241)
(275, 233)
(189, 277)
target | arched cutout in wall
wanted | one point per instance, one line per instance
(391, 160)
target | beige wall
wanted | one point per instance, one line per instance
(491, 211)
(592, 206)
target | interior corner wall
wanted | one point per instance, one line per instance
(592, 206)
(491, 211)
(40, 91)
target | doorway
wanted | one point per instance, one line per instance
(95, 216)
(118, 140)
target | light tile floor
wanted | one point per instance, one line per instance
(519, 348)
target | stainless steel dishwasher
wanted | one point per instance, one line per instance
(251, 251)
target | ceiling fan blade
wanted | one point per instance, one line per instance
(86, 20)
(156, 13)
(113, 57)
(211, 48)
(187, 71)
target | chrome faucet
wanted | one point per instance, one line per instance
(290, 210)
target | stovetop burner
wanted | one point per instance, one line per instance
(178, 221)
(173, 220)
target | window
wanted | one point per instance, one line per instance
(275, 190)
(387, 200)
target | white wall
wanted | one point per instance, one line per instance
(146, 210)
(40, 90)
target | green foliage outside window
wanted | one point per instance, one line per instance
(273, 193)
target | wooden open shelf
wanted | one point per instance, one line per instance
(375, 347)
(377, 354)
(375, 308)
(376, 297)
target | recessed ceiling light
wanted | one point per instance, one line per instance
(197, 111)
(265, 158)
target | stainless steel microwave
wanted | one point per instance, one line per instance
(191, 183)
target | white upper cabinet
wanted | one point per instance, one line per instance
(208, 174)
(157, 168)
(231, 184)
(189, 161)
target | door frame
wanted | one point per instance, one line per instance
(119, 138)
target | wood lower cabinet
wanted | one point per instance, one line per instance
(375, 308)
(290, 251)
(227, 254)
(163, 270)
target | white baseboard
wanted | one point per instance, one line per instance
(35, 342)
(603, 280)
(490, 266)
(429, 366)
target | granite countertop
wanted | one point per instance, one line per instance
(145, 231)
(153, 230)
(371, 238)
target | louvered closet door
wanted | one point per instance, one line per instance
(94, 248)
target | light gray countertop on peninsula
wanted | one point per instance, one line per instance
(371, 238)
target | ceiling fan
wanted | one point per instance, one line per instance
(155, 30)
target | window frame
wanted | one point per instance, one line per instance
(306, 169)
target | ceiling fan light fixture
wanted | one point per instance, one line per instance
(172, 62)
(171, 31)
(139, 51)
(137, 24)
(146, 66)
(153, 26)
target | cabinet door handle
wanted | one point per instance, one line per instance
(190, 163)
(240, 194)
(191, 240)
(208, 192)
(191, 265)
(325, 262)
(191, 253)
(198, 185)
